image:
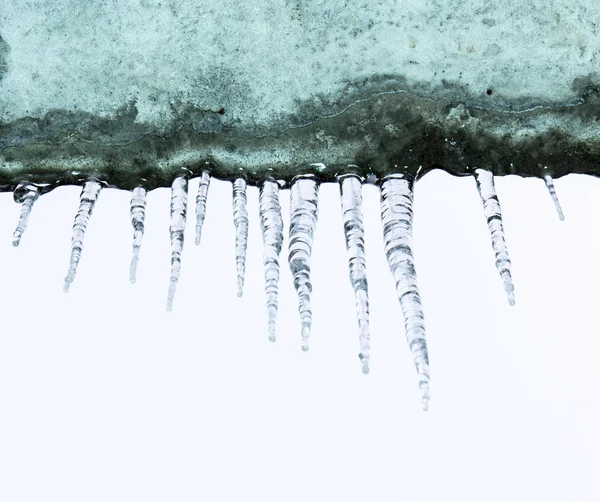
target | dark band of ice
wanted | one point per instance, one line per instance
(552, 190)
(240, 220)
(397, 218)
(304, 203)
(271, 224)
(27, 199)
(87, 201)
(351, 196)
(201, 204)
(179, 195)
(137, 211)
(493, 214)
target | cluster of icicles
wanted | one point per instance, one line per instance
(396, 215)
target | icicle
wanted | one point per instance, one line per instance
(137, 210)
(240, 220)
(25, 195)
(271, 224)
(551, 189)
(491, 208)
(179, 194)
(201, 204)
(87, 200)
(397, 218)
(303, 220)
(351, 195)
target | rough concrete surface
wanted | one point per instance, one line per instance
(134, 85)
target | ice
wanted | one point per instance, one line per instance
(493, 214)
(137, 209)
(351, 196)
(179, 195)
(87, 201)
(240, 220)
(201, 204)
(303, 220)
(25, 194)
(552, 190)
(271, 224)
(397, 218)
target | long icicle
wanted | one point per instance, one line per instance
(271, 224)
(201, 204)
(179, 196)
(397, 218)
(550, 184)
(240, 220)
(304, 202)
(351, 196)
(137, 210)
(25, 194)
(493, 214)
(87, 201)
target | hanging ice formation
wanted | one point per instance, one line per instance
(201, 204)
(25, 194)
(87, 201)
(351, 195)
(397, 218)
(179, 193)
(240, 221)
(491, 208)
(137, 209)
(552, 190)
(271, 224)
(304, 201)
(396, 192)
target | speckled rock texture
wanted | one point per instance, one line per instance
(134, 89)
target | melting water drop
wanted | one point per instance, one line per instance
(493, 214)
(304, 203)
(240, 220)
(201, 204)
(26, 195)
(179, 195)
(271, 224)
(87, 201)
(397, 218)
(351, 196)
(137, 210)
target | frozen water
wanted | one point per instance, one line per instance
(137, 209)
(552, 190)
(26, 195)
(179, 195)
(201, 204)
(240, 220)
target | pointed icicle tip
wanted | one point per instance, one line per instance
(87, 201)
(25, 194)
(137, 211)
(397, 219)
(303, 220)
(271, 224)
(201, 198)
(550, 185)
(240, 221)
(179, 194)
(493, 214)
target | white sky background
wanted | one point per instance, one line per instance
(106, 396)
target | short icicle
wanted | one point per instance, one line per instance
(240, 221)
(25, 194)
(179, 196)
(351, 196)
(550, 184)
(87, 201)
(271, 224)
(397, 218)
(137, 210)
(493, 214)
(201, 204)
(304, 202)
